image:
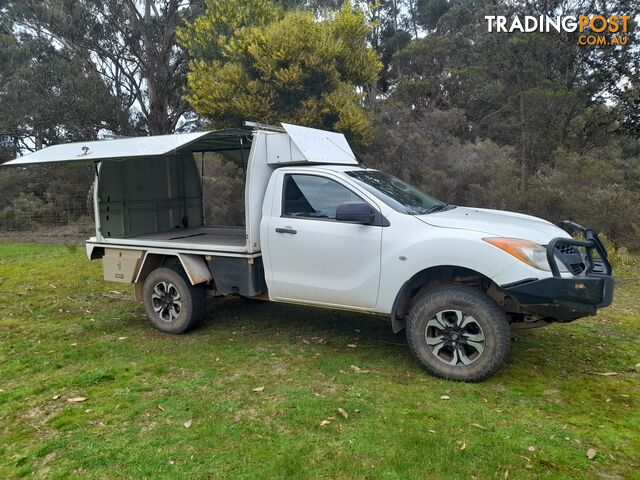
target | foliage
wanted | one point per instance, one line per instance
(618, 256)
(26, 212)
(44, 196)
(49, 98)
(280, 67)
(511, 85)
(428, 152)
(530, 122)
(564, 390)
(128, 46)
(223, 187)
(563, 115)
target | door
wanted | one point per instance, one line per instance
(314, 258)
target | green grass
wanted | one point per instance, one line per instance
(64, 332)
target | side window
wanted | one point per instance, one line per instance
(314, 197)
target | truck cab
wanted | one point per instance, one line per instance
(321, 229)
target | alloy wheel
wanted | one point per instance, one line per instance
(455, 337)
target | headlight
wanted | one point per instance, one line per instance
(530, 253)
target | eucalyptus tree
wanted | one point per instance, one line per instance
(130, 44)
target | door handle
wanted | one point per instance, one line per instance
(286, 230)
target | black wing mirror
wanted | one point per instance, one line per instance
(356, 212)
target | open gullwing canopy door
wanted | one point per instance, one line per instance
(148, 189)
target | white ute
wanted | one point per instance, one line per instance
(322, 230)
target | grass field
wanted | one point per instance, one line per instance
(274, 391)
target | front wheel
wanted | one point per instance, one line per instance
(458, 332)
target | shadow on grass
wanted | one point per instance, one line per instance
(297, 319)
(556, 351)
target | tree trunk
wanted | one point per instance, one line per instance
(157, 75)
(413, 19)
(523, 137)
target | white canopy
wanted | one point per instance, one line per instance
(311, 145)
(320, 145)
(113, 149)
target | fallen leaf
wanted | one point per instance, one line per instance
(258, 389)
(477, 425)
(445, 397)
(187, 424)
(357, 369)
(531, 448)
(76, 399)
(324, 423)
(343, 412)
(591, 453)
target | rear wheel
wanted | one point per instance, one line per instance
(458, 332)
(172, 304)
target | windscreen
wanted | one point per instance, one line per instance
(394, 192)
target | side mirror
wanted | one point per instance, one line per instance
(356, 212)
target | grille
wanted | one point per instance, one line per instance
(577, 268)
(567, 249)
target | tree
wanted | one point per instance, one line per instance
(252, 61)
(511, 85)
(130, 44)
(48, 97)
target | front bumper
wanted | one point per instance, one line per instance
(567, 298)
(564, 299)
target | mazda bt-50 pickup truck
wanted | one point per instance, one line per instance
(322, 230)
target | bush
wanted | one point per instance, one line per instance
(598, 190)
(589, 191)
(223, 191)
(27, 211)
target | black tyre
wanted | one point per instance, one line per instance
(200, 294)
(458, 332)
(172, 304)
